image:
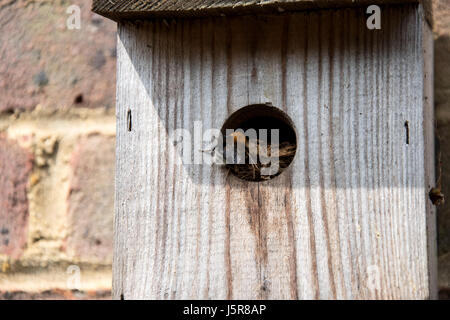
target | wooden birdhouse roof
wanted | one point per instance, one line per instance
(142, 9)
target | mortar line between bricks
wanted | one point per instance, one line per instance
(50, 185)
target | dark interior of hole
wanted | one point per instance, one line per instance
(260, 117)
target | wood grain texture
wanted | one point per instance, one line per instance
(352, 205)
(430, 179)
(132, 9)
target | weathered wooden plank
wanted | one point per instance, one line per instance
(136, 9)
(430, 179)
(350, 209)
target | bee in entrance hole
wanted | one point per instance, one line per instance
(436, 196)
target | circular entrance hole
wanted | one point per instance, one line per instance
(275, 146)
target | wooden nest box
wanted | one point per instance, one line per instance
(348, 86)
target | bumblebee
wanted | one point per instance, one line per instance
(436, 196)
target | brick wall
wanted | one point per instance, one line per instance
(57, 127)
(441, 11)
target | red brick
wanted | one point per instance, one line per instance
(91, 199)
(15, 169)
(43, 62)
(441, 16)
